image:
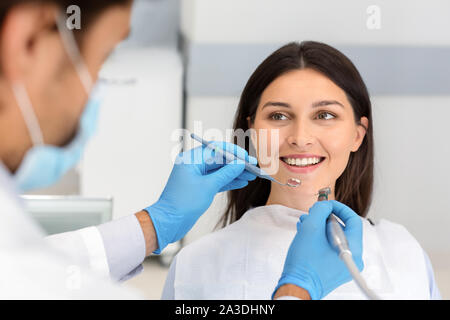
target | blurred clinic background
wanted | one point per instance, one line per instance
(185, 65)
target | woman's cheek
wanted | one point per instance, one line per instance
(341, 164)
(339, 154)
(338, 146)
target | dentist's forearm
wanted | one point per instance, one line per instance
(151, 241)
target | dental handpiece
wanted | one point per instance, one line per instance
(335, 234)
(248, 166)
(338, 240)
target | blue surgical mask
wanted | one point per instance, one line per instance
(43, 165)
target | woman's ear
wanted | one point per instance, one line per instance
(361, 130)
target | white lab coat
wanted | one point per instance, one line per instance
(245, 261)
(66, 266)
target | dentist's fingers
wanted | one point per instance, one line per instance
(245, 175)
(227, 173)
(215, 160)
(235, 184)
(248, 176)
(236, 150)
(346, 214)
(319, 212)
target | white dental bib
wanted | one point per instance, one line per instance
(245, 260)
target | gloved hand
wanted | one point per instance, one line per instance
(197, 176)
(311, 262)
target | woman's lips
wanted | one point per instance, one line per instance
(297, 169)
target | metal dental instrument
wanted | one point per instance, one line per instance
(292, 182)
(336, 237)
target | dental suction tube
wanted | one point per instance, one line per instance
(338, 240)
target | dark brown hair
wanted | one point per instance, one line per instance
(89, 8)
(354, 186)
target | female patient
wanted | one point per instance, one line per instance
(316, 100)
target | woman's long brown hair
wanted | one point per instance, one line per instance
(354, 187)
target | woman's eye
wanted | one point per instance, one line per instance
(278, 116)
(326, 116)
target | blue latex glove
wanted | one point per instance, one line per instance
(311, 262)
(197, 176)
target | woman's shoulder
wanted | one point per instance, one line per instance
(388, 226)
(393, 234)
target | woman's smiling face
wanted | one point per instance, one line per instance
(315, 122)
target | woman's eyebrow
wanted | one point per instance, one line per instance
(326, 103)
(316, 104)
(276, 104)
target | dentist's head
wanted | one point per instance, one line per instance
(47, 72)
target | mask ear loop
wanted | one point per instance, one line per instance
(26, 108)
(70, 44)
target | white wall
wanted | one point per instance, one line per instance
(154, 23)
(411, 166)
(334, 22)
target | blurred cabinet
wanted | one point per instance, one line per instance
(57, 214)
(129, 159)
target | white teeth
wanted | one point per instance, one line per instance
(301, 162)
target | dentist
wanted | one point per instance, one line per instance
(48, 111)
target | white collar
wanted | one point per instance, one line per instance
(16, 225)
(7, 182)
(274, 214)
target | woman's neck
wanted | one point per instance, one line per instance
(299, 198)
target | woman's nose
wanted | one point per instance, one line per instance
(301, 135)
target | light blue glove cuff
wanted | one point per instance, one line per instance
(154, 213)
(306, 281)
